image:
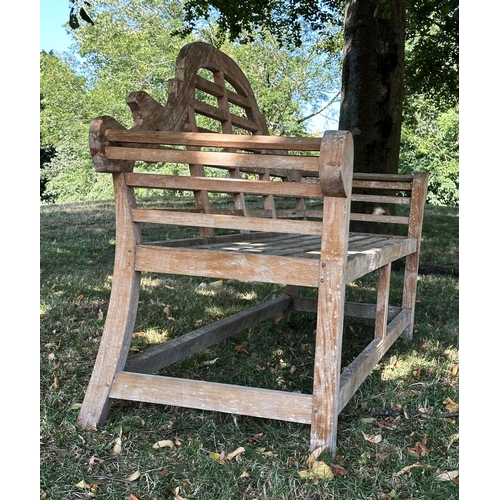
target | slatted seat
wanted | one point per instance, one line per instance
(298, 236)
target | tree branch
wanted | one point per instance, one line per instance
(320, 110)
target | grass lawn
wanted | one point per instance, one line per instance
(398, 436)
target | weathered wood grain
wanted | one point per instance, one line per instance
(306, 244)
(263, 403)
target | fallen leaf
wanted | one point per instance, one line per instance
(55, 384)
(393, 360)
(245, 474)
(319, 471)
(235, 453)
(117, 448)
(454, 371)
(450, 475)
(83, 485)
(408, 468)
(218, 457)
(242, 348)
(419, 449)
(209, 362)
(451, 406)
(86, 486)
(135, 475)
(372, 438)
(216, 284)
(386, 496)
(338, 470)
(313, 457)
(165, 443)
(382, 456)
(452, 439)
(177, 496)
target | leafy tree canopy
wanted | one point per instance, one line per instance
(431, 32)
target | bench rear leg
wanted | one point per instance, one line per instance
(418, 197)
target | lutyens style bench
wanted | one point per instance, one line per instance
(211, 126)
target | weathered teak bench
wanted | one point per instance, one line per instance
(297, 246)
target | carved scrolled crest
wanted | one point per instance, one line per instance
(98, 143)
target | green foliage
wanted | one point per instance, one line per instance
(69, 177)
(431, 32)
(430, 143)
(432, 54)
(130, 47)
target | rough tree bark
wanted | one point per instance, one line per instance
(372, 82)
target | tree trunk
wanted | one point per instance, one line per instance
(372, 85)
(372, 82)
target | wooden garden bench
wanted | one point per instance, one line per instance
(212, 125)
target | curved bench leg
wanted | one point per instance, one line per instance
(122, 311)
(113, 350)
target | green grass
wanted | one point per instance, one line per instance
(402, 400)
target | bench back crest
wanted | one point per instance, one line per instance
(207, 83)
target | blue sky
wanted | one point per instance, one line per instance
(53, 15)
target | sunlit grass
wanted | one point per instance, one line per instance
(402, 400)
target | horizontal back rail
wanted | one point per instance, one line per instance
(217, 159)
(226, 222)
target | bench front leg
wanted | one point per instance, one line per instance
(122, 311)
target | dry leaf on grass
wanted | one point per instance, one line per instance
(372, 438)
(135, 475)
(117, 448)
(218, 457)
(55, 384)
(177, 495)
(338, 470)
(408, 468)
(386, 496)
(86, 486)
(419, 449)
(235, 453)
(165, 443)
(451, 475)
(451, 406)
(317, 470)
(243, 349)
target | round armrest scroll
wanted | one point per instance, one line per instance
(336, 158)
(98, 143)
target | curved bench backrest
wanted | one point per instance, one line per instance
(208, 88)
